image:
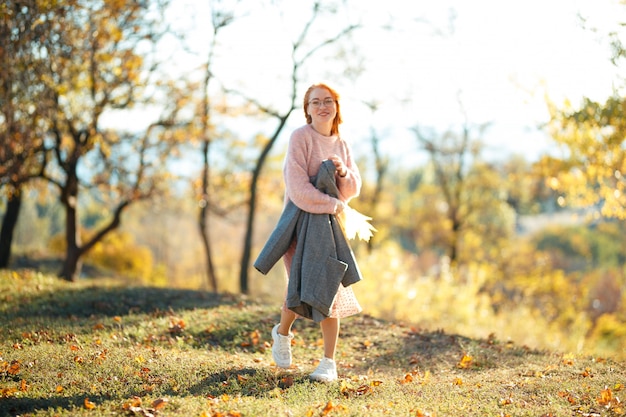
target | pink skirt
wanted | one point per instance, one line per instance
(345, 303)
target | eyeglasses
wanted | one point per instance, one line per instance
(327, 102)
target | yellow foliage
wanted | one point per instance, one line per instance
(116, 252)
(609, 334)
(591, 174)
(535, 306)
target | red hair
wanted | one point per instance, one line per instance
(334, 130)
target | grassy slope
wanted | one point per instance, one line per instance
(97, 348)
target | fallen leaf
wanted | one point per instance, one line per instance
(14, 369)
(7, 392)
(606, 397)
(159, 403)
(506, 401)
(568, 359)
(134, 403)
(286, 381)
(407, 379)
(176, 325)
(328, 408)
(465, 362)
(88, 404)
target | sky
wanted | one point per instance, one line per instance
(489, 62)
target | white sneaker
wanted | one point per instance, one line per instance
(326, 371)
(281, 348)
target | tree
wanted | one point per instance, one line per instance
(97, 62)
(219, 20)
(24, 107)
(301, 52)
(448, 157)
(381, 167)
(466, 192)
(591, 173)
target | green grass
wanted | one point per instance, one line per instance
(100, 348)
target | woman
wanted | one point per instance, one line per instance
(308, 146)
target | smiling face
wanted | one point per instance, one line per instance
(324, 113)
(321, 106)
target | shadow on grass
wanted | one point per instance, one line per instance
(383, 345)
(113, 301)
(10, 407)
(254, 382)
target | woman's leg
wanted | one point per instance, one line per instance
(287, 317)
(330, 333)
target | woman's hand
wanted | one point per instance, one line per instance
(339, 165)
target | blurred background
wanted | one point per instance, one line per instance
(144, 140)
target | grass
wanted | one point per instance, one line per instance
(100, 348)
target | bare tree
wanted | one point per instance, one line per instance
(301, 52)
(451, 157)
(381, 165)
(220, 18)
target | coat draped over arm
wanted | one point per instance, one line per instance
(323, 259)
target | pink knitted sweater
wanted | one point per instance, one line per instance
(305, 153)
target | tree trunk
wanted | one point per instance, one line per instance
(381, 165)
(9, 222)
(72, 264)
(69, 198)
(247, 243)
(203, 219)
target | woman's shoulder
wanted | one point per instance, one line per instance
(302, 131)
(303, 134)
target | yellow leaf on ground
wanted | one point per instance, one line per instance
(89, 405)
(465, 362)
(605, 397)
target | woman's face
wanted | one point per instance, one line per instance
(321, 106)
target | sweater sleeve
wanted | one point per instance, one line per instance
(299, 188)
(350, 185)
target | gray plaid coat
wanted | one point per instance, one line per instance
(323, 259)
